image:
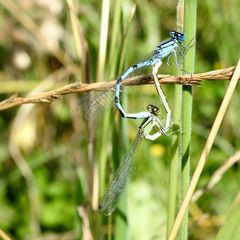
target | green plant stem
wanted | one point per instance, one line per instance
(190, 13)
(173, 172)
(175, 146)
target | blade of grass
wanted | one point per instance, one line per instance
(113, 54)
(102, 136)
(105, 12)
(121, 227)
(230, 230)
(80, 42)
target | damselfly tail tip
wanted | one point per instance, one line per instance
(103, 210)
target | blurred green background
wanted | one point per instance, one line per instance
(48, 171)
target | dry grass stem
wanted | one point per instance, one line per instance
(4, 236)
(217, 176)
(50, 96)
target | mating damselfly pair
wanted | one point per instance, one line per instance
(151, 127)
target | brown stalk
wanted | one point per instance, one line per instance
(77, 87)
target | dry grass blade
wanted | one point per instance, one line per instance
(217, 176)
(205, 152)
(3, 235)
(80, 41)
(87, 235)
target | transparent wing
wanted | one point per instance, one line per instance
(119, 182)
(95, 102)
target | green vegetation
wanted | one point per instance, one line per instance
(55, 165)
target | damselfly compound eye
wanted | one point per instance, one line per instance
(177, 35)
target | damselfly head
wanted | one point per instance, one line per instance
(153, 109)
(177, 35)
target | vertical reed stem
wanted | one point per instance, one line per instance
(190, 13)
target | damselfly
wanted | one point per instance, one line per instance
(96, 101)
